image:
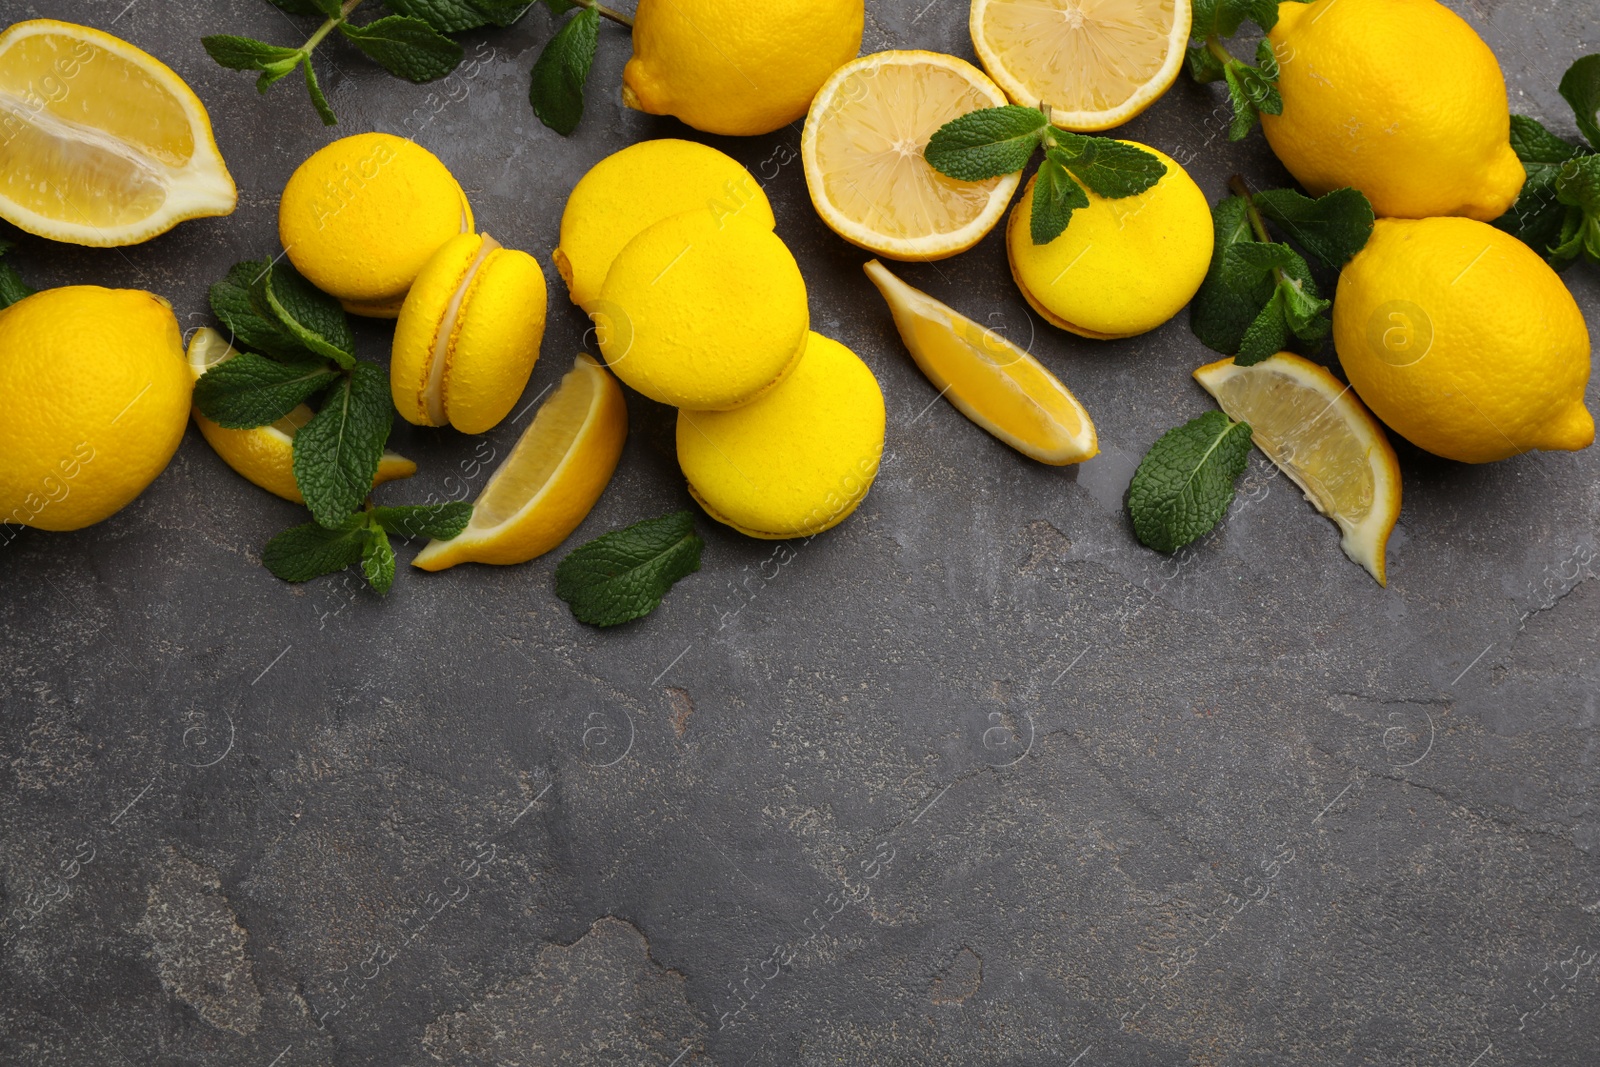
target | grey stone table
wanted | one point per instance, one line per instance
(972, 779)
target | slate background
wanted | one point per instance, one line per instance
(979, 778)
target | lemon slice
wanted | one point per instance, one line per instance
(990, 380)
(1096, 63)
(100, 143)
(265, 455)
(550, 481)
(1312, 426)
(862, 150)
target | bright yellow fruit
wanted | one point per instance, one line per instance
(737, 69)
(1096, 63)
(637, 187)
(1398, 98)
(862, 150)
(551, 480)
(468, 335)
(97, 396)
(100, 143)
(797, 461)
(1463, 340)
(265, 455)
(990, 380)
(1121, 267)
(1308, 423)
(703, 312)
(363, 215)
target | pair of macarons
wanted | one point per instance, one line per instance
(669, 246)
(379, 222)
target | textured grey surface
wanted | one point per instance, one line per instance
(972, 779)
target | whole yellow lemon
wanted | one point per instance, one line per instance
(737, 68)
(97, 397)
(1398, 98)
(1463, 340)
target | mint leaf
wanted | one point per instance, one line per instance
(314, 318)
(1055, 197)
(1580, 87)
(1222, 18)
(276, 71)
(624, 574)
(1333, 228)
(1244, 110)
(405, 46)
(506, 12)
(1578, 186)
(1108, 167)
(318, 101)
(1536, 145)
(1267, 64)
(245, 53)
(1304, 308)
(377, 560)
(1267, 335)
(441, 522)
(560, 7)
(298, 7)
(1539, 218)
(336, 454)
(556, 91)
(986, 143)
(446, 16)
(1203, 64)
(1236, 287)
(1263, 94)
(12, 287)
(305, 552)
(232, 304)
(246, 390)
(1185, 482)
(331, 8)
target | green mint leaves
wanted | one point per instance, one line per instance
(561, 70)
(302, 553)
(250, 390)
(1251, 89)
(992, 141)
(1185, 483)
(1557, 214)
(12, 287)
(623, 575)
(408, 48)
(1259, 296)
(336, 454)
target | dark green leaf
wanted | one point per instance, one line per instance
(1267, 63)
(1244, 110)
(12, 287)
(1534, 144)
(1222, 18)
(405, 46)
(314, 318)
(1305, 309)
(624, 574)
(1109, 167)
(231, 303)
(1235, 289)
(333, 9)
(1333, 228)
(446, 16)
(247, 390)
(1263, 255)
(441, 522)
(560, 7)
(1185, 482)
(310, 551)
(986, 143)
(1204, 66)
(1267, 335)
(336, 454)
(1578, 186)
(1580, 87)
(245, 53)
(1262, 92)
(318, 101)
(1055, 197)
(505, 12)
(561, 70)
(377, 560)
(275, 72)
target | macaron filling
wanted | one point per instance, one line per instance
(444, 340)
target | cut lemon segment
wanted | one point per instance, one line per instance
(1312, 426)
(100, 143)
(862, 150)
(990, 380)
(265, 455)
(1096, 63)
(551, 480)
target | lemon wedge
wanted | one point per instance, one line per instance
(1312, 426)
(551, 480)
(265, 455)
(862, 151)
(1096, 63)
(101, 143)
(990, 380)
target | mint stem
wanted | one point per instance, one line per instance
(605, 12)
(1219, 51)
(1240, 187)
(327, 27)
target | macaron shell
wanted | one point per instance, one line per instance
(799, 460)
(421, 319)
(498, 333)
(703, 312)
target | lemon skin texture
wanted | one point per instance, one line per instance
(737, 69)
(363, 215)
(98, 393)
(1398, 98)
(1121, 267)
(1463, 340)
(799, 460)
(641, 185)
(703, 312)
(469, 335)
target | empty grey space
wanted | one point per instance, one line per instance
(972, 779)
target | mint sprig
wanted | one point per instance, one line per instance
(1557, 214)
(336, 454)
(1185, 483)
(312, 550)
(12, 287)
(250, 390)
(559, 74)
(993, 141)
(1251, 89)
(1259, 296)
(623, 575)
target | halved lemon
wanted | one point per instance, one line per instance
(265, 455)
(1312, 426)
(990, 380)
(100, 143)
(1096, 63)
(551, 480)
(862, 150)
